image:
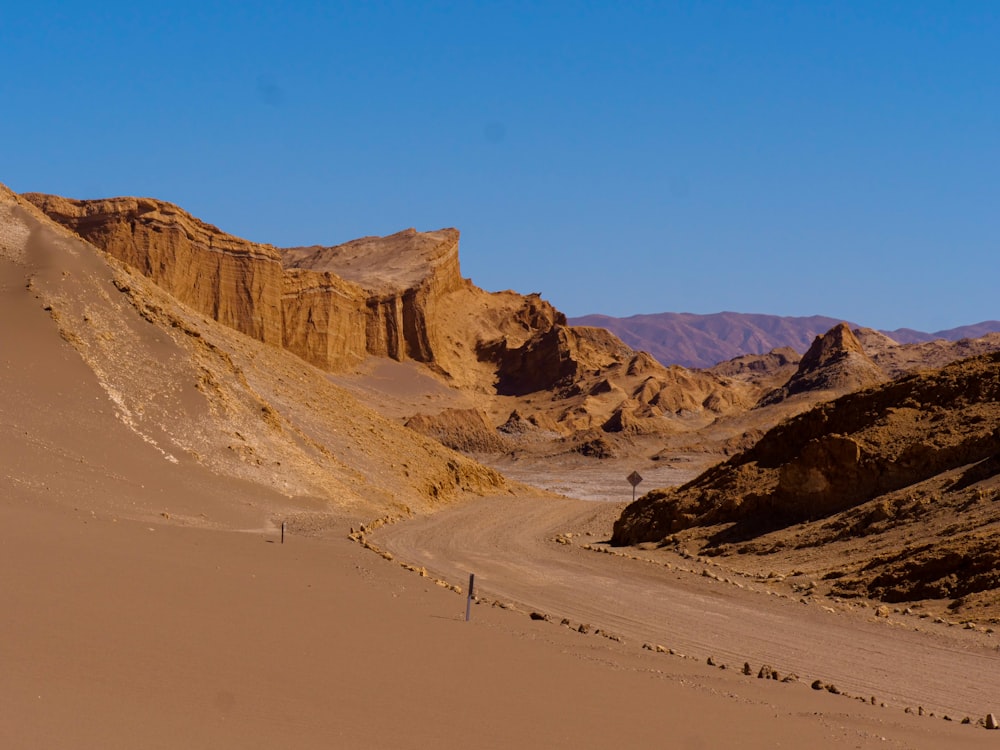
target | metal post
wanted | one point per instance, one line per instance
(468, 599)
(282, 532)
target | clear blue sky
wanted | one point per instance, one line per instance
(794, 158)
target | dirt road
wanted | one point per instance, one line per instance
(509, 545)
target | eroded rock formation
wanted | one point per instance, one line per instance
(330, 305)
(235, 282)
(838, 455)
(835, 362)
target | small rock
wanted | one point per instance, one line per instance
(565, 621)
(710, 662)
(767, 672)
(991, 722)
(539, 616)
(832, 689)
(882, 611)
(818, 685)
(746, 668)
(647, 646)
(662, 649)
(583, 629)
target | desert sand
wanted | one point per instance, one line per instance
(151, 455)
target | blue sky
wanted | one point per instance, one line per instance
(792, 158)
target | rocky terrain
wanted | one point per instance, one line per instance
(701, 341)
(904, 473)
(402, 297)
(199, 395)
(836, 362)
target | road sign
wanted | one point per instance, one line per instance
(634, 480)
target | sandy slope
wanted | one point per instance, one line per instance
(120, 634)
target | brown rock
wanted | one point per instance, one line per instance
(466, 430)
(236, 282)
(836, 362)
(841, 454)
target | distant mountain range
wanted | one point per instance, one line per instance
(700, 341)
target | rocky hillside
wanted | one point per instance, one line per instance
(839, 454)
(701, 341)
(895, 487)
(401, 297)
(163, 396)
(835, 363)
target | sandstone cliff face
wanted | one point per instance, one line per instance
(324, 319)
(554, 359)
(330, 305)
(402, 279)
(235, 282)
(838, 455)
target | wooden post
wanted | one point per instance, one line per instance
(468, 599)
(282, 532)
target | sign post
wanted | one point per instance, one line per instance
(468, 599)
(634, 480)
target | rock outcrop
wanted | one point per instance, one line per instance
(838, 455)
(553, 359)
(467, 430)
(400, 296)
(235, 282)
(402, 278)
(836, 362)
(150, 399)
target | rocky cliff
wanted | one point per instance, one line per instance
(235, 282)
(838, 455)
(125, 392)
(333, 306)
(402, 279)
(403, 297)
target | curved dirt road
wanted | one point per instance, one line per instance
(508, 543)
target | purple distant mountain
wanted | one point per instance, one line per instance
(700, 341)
